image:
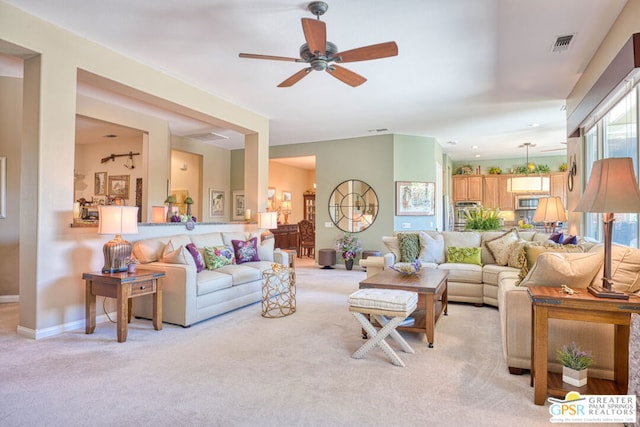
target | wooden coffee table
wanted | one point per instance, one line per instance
(431, 286)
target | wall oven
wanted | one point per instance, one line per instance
(459, 211)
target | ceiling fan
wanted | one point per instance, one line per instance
(555, 149)
(321, 54)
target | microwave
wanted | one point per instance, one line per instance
(528, 202)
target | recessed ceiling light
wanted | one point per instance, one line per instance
(474, 147)
(477, 155)
(534, 125)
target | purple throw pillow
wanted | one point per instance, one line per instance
(246, 251)
(557, 237)
(570, 240)
(197, 257)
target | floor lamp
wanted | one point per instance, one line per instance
(612, 187)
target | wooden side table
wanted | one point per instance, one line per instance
(551, 303)
(123, 287)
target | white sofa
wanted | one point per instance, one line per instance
(499, 286)
(189, 297)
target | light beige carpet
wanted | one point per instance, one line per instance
(240, 369)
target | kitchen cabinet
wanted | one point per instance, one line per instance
(467, 188)
(495, 194)
(558, 186)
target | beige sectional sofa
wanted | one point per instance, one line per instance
(506, 288)
(189, 296)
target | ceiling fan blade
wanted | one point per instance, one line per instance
(553, 149)
(315, 32)
(374, 51)
(274, 58)
(295, 78)
(346, 76)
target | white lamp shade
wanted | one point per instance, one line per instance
(268, 220)
(550, 209)
(159, 213)
(117, 219)
(528, 184)
(286, 205)
(612, 187)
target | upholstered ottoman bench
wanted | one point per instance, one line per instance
(327, 258)
(382, 304)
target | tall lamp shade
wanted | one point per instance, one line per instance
(117, 220)
(550, 211)
(612, 188)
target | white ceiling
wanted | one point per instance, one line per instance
(476, 72)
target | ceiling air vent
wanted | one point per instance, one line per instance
(562, 43)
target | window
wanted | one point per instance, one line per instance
(615, 135)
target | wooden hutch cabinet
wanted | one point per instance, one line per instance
(310, 207)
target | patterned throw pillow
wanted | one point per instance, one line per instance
(409, 246)
(501, 247)
(246, 251)
(197, 256)
(464, 255)
(218, 256)
(557, 237)
(570, 240)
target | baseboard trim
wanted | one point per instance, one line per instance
(60, 329)
(9, 298)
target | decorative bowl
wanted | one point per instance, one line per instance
(406, 268)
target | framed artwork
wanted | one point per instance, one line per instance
(3, 186)
(119, 186)
(238, 205)
(415, 198)
(271, 199)
(216, 200)
(100, 184)
(286, 196)
(181, 196)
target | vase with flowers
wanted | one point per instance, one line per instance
(349, 246)
(574, 362)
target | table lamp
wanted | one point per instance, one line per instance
(117, 220)
(550, 211)
(612, 187)
(268, 221)
(158, 214)
(286, 210)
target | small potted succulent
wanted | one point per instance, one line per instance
(132, 263)
(574, 362)
(170, 201)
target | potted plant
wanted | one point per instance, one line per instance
(188, 201)
(170, 201)
(575, 362)
(482, 218)
(349, 246)
(495, 170)
(132, 263)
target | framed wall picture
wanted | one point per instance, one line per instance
(415, 198)
(100, 184)
(286, 196)
(238, 205)
(119, 186)
(216, 200)
(271, 199)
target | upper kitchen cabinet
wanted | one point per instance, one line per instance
(467, 188)
(495, 194)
